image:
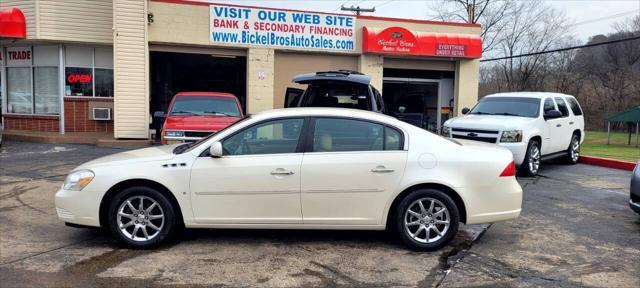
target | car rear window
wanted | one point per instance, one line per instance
(337, 94)
(573, 104)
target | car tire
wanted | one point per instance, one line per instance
(573, 152)
(427, 226)
(532, 160)
(148, 227)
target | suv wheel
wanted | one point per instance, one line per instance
(427, 219)
(531, 163)
(141, 217)
(573, 152)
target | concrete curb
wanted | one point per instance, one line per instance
(606, 162)
(54, 138)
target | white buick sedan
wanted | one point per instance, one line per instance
(298, 168)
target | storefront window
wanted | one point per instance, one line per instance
(78, 81)
(88, 71)
(32, 80)
(45, 86)
(104, 82)
(19, 90)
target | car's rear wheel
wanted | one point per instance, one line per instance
(427, 219)
(573, 152)
(141, 217)
(532, 160)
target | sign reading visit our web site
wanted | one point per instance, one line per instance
(278, 28)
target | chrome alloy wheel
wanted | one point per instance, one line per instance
(534, 159)
(575, 150)
(140, 218)
(426, 220)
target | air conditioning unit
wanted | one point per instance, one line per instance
(101, 114)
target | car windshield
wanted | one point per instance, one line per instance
(189, 146)
(205, 106)
(508, 106)
(337, 94)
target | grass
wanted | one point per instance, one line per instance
(595, 144)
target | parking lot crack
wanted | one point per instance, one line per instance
(450, 259)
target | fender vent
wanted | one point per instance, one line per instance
(173, 165)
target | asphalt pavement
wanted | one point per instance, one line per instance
(576, 230)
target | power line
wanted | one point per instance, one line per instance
(563, 49)
(385, 3)
(336, 10)
(603, 18)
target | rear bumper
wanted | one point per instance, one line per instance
(498, 202)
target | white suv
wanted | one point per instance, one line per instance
(533, 125)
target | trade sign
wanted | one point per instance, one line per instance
(399, 40)
(19, 56)
(281, 28)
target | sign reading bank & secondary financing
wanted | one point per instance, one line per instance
(278, 28)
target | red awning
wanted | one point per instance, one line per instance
(12, 24)
(399, 40)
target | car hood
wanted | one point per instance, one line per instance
(156, 153)
(199, 123)
(490, 122)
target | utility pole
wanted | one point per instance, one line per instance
(357, 9)
(470, 12)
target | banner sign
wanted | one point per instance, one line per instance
(399, 40)
(280, 28)
(19, 56)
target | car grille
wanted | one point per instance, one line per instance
(489, 136)
(197, 133)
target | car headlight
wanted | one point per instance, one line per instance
(77, 180)
(511, 136)
(446, 131)
(174, 133)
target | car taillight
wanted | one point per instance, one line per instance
(510, 170)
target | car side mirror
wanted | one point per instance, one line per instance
(216, 149)
(465, 110)
(159, 114)
(552, 114)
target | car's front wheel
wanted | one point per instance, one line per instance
(427, 219)
(141, 217)
(532, 160)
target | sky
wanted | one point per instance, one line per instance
(591, 17)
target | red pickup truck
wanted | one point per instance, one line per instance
(194, 115)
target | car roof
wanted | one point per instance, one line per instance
(538, 95)
(206, 94)
(327, 112)
(339, 75)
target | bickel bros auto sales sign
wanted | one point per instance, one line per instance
(279, 28)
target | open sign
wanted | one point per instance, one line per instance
(78, 78)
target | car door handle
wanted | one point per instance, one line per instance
(281, 171)
(570, 123)
(558, 125)
(381, 169)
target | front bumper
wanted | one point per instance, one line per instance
(634, 206)
(78, 207)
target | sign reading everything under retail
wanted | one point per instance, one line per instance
(280, 28)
